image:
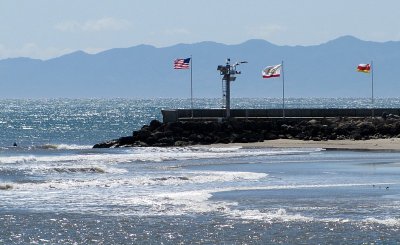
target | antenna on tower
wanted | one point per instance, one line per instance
(228, 73)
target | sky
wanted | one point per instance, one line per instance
(45, 29)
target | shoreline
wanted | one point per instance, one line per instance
(391, 144)
(328, 133)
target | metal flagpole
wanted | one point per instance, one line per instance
(283, 92)
(191, 83)
(372, 88)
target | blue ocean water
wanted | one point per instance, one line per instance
(56, 189)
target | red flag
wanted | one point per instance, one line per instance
(364, 68)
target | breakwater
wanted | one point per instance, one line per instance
(255, 114)
(194, 131)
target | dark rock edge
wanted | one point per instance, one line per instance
(185, 133)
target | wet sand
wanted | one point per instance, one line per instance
(373, 144)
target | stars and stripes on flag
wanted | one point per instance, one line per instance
(364, 68)
(272, 71)
(182, 63)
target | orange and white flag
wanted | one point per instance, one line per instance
(364, 68)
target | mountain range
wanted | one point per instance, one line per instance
(324, 70)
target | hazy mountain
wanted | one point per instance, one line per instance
(326, 70)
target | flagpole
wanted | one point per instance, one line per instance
(372, 87)
(191, 83)
(283, 92)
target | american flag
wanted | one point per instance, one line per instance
(182, 63)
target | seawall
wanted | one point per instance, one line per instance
(180, 129)
(175, 115)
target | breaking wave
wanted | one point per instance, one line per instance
(150, 154)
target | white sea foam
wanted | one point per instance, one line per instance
(199, 202)
(219, 149)
(163, 193)
(117, 189)
(269, 216)
(17, 159)
(161, 196)
(222, 176)
(65, 146)
(387, 221)
(188, 153)
(151, 154)
(176, 180)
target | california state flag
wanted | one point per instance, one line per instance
(364, 68)
(272, 71)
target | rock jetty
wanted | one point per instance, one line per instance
(184, 133)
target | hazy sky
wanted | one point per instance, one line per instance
(50, 28)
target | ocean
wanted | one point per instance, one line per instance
(56, 189)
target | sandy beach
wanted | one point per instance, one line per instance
(373, 144)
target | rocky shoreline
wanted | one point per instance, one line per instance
(185, 133)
